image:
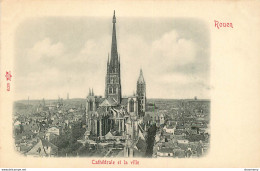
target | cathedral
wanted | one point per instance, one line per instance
(114, 115)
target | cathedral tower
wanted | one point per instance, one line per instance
(113, 80)
(141, 93)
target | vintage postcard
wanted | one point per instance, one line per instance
(130, 84)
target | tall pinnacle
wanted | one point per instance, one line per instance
(141, 78)
(114, 17)
(114, 55)
(108, 59)
(113, 77)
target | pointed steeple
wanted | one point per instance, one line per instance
(89, 93)
(114, 17)
(92, 93)
(108, 59)
(119, 63)
(114, 54)
(141, 78)
(113, 88)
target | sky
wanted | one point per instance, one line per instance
(60, 55)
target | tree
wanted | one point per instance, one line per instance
(150, 140)
(67, 142)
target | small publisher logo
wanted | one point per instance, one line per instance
(8, 76)
(8, 87)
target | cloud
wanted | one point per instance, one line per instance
(162, 54)
(158, 59)
(170, 46)
(55, 69)
(45, 49)
(171, 50)
(176, 78)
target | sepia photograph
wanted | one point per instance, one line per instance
(112, 87)
(129, 84)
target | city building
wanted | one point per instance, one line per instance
(43, 149)
(114, 115)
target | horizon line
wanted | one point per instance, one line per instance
(122, 97)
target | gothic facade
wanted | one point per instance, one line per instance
(113, 81)
(114, 115)
(141, 93)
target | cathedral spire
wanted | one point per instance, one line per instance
(114, 17)
(141, 77)
(108, 63)
(113, 80)
(108, 58)
(114, 55)
(141, 93)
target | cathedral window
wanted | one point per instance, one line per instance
(91, 106)
(131, 105)
(110, 90)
